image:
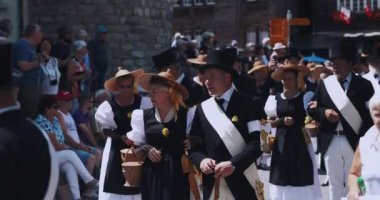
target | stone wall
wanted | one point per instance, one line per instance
(137, 28)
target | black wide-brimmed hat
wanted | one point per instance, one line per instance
(221, 59)
(164, 59)
(346, 50)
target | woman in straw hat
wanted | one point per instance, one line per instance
(293, 174)
(200, 78)
(260, 74)
(114, 116)
(161, 132)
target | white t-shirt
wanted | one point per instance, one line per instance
(51, 77)
(71, 127)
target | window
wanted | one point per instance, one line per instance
(358, 5)
(186, 2)
(210, 2)
(177, 3)
(251, 34)
(198, 2)
(263, 34)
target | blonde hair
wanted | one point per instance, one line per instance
(374, 102)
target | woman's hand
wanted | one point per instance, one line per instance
(353, 195)
(154, 155)
(288, 121)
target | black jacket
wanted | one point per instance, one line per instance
(359, 92)
(213, 147)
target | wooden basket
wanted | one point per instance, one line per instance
(127, 155)
(132, 173)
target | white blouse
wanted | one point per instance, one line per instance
(369, 150)
(137, 134)
(105, 117)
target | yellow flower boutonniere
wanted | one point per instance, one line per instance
(165, 132)
(235, 118)
(129, 115)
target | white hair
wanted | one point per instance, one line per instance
(100, 93)
(374, 102)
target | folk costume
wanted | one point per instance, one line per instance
(230, 131)
(293, 171)
(112, 116)
(347, 97)
(164, 180)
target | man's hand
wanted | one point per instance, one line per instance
(85, 148)
(224, 169)
(313, 104)
(331, 115)
(154, 155)
(207, 165)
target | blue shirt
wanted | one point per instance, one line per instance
(51, 128)
(23, 50)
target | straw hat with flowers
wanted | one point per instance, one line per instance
(111, 84)
(144, 81)
(277, 75)
(301, 69)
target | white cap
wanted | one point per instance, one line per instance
(79, 44)
(233, 43)
(279, 45)
(265, 40)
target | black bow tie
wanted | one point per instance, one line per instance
(342, 84)
(220, 103)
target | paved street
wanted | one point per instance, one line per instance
(264, 176)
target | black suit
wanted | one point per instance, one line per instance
(24, 157)
(359, 92)
(197, 94)
(213, 147)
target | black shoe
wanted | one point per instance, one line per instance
(326, 183)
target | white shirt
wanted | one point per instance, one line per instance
(71, 127)
(227, 97)
(51, 74)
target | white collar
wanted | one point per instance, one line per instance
(168, 117)
(196, 79)
(296, 95)
(10, 108)
(227, 94)
(348, 78)
(180, 79)
(310, 79)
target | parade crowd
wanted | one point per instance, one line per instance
(202, 125)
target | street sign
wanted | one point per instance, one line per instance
(300, 22)
(278, 30)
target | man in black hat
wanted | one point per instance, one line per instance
(167, 61)
(229, 126)
(28, 168)
(339, 105)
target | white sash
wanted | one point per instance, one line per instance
(343, 103)
(230, 137)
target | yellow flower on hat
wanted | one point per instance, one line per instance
(165, 132)
(129, 115)
(235, 118)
